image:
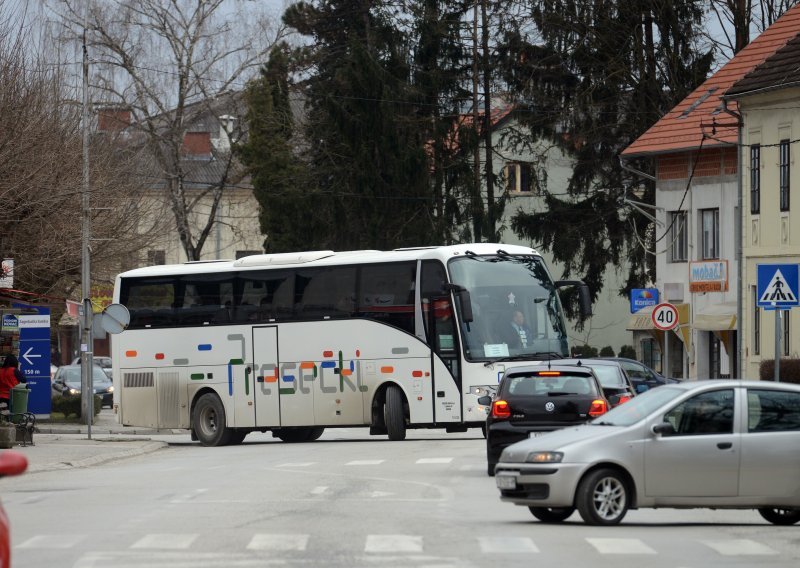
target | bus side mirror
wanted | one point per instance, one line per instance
(584, 296)
(464, 301)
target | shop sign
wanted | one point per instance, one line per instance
(7, 273)
(643, 298)
(708, 276)
(10, 323)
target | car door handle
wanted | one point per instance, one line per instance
(725, 445)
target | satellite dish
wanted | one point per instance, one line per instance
(115, 318)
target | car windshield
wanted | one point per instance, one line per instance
(638, 407)
(608, 375)
(72, 376)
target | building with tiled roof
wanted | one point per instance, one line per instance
(697, 171)
(768, 99)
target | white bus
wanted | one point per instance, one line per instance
(298, 342)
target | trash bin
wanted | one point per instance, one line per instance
(19, 399)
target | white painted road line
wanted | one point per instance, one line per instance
(365, 462)
(166, 541)
(507, 545)
(434, 460)
(620, 546)
(279, 542)
(740, 547)
(393, 543)
(53, 541)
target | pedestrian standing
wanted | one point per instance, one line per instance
(10, 376)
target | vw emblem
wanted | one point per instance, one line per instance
(549, 407)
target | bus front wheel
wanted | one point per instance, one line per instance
(394, 415)
(208, 421)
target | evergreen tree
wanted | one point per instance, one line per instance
(596, 77)
(277, 176)
(367, 156)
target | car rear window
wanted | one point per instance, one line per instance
(608, 375)
(535, 385)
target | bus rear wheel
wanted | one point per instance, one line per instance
(394, 414)
(208, 421)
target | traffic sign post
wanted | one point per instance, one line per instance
(778, 289)
(665, 318)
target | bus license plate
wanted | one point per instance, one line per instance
(506, 482)
(534, 434)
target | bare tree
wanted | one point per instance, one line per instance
(40, 175)
(172, 63)
(733, 22)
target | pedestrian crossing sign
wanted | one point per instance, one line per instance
(778, 286)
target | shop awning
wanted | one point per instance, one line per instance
(716, 317)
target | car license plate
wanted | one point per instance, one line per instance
(534, 434)
(506, 482)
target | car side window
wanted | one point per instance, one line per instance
(706, 413)
(772, 411)
(634, 371)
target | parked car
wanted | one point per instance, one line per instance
(67, 382)
(720, 444)
(617, 387)
(532, 400)
(101, 361)
(642, 376)
(11, 463)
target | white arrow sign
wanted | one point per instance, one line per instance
(27, 355)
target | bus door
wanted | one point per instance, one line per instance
(267, 373)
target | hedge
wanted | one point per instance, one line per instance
(789, 370)
(69, 405)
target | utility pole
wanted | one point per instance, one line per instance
(487, 124)
(87, 339)
(477, 200)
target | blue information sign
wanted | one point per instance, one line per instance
(34, 356)
(778, 285)
(643, 298)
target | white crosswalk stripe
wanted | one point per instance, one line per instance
(298, 464)
(434, 460)
(365, 462)
(620, 546)
(507, 545)
(739, 547)
(393, 543)
(278, 542)
(166, 541)
(53, 541)
(165, 559)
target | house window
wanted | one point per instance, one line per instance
(244, 253)
(710, 238)
(784, 169)
(756, 323)
(755, 178)
(156, 257)
(679, 249)
(518, 177)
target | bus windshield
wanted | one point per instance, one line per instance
(516, 311)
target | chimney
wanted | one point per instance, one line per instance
(197, 145)
(113, 119)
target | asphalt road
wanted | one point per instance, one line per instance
(347, 500)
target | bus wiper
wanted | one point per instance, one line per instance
(527, 357)
(524, 357)
(550, 354)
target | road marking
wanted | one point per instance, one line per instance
(379, 494)
(52, 541)
(319, 490)
(166, 541)
(393, 543)
(507, 544)
(434, 460)
(739, 547)
(620, 546)
(279, 542)
(298, 464)
(365, 462)
(165, 559)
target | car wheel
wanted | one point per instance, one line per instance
(602, 497)
(552, 514)
(394, 416)
(783, 517)
(208, 421)
(490, 469)
(483, 429)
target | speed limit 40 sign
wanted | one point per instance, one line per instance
(665, 316)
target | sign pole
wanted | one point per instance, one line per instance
(777, 345)
(666, 354)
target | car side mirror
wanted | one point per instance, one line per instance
(485, 401)
(665, 429)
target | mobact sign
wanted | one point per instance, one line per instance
(643, 298)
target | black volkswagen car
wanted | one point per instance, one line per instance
(535, 399)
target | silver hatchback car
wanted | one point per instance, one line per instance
(717, 444)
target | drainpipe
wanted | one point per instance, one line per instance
(739, 239)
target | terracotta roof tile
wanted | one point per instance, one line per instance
(780, 69)
(680, 128)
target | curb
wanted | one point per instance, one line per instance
(95, 460)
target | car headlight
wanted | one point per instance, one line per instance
(73, 391)
(544, 457)
(110, 389)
